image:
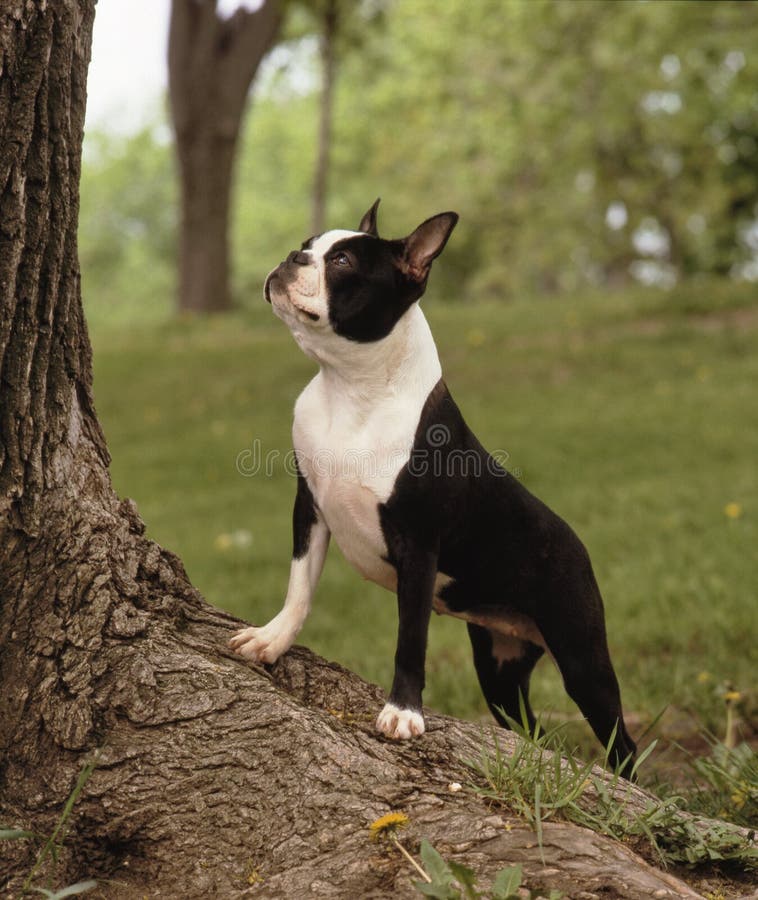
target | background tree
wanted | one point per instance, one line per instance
(212, 774)
(328, 13)
(212, 61)
(539, 117)
(341, 28)
(624, 131)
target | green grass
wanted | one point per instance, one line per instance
(541, 780)
(634, 417)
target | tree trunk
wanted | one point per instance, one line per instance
(329, 22)
(212, 62)
(214, 777)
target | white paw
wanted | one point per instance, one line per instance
(399, 724)
(261, 645)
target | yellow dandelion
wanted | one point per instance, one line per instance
(733, 510)
(703, 677)
(223, 541)
(732, 696)
(388, 825)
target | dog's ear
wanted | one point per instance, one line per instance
(425, 244)
(368, 222)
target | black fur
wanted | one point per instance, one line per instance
(372, 282)
(518, 574)
(367, 296)
(303, 517)
(455, 510)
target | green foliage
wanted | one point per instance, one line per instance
(724, 784)
(452, 881)
(73, 890)
(532, 118)
(355, 21)
(272, 201)
(127, 226)
(536, 780)
(542, 779)
(483, 134)
(52, 845)
(15, 834)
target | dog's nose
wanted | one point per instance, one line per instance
(298, 257)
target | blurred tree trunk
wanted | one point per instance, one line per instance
(329, 17)
(211, 62)
(214, 778)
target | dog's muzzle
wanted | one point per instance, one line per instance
(284, 274)
(296, 258)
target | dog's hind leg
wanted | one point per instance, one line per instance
(504, 665)
(577, 642)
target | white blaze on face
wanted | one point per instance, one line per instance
(306, 295)
(324, 243)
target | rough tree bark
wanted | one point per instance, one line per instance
(211, 63)
(212, 774)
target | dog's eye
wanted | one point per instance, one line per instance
(341, 259)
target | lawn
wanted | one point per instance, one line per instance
(635, 417)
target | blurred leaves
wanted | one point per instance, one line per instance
(127, 224)
(590, 142)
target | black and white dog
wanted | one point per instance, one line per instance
(389, 467)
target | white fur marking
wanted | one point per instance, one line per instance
(354, 429)
(305, 296)
(268, 643)
(321, 246)
(399, 724)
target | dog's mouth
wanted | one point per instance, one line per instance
(311, 315)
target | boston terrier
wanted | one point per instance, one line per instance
(387, 465)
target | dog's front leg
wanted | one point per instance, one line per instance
(416, 572)
(310, 543)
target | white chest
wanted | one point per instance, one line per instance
(352, 437)
(351, 468)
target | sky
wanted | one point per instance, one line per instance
(127, 75)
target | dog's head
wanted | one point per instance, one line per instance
(353, 286)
